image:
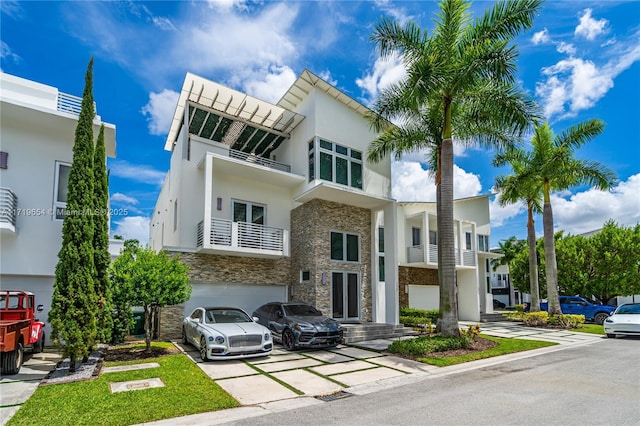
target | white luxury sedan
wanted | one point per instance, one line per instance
(624, 320)
(225, 333)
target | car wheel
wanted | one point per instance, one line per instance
(39, 345)
(599, 318)
(203, 349)
(611, 335)
(288, 340)
(12, 361)
(184, 336)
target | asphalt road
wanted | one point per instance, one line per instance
(596, 384)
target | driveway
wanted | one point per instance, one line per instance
(17, 388)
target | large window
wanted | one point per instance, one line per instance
(335, 163)
(483, 242)
(249, 212)
(345, 247)
(60, 189)
(381, 254)
(415, 236)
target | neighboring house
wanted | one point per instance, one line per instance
(501, 287)
(273, 202)
(36, 137)
(418, 256)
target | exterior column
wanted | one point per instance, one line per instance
(391, 296)
(208, 196)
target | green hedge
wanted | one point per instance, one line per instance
(430, 315)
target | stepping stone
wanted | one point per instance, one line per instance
(226, 369)
(309, 383)
(136, 385)
(131, 367)
(255, 389)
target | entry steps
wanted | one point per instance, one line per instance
(494, 317)
(370, 331)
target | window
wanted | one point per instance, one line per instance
(501, 280)
(345, 247)
(336, 163)
(380, 253)
(305, 276)
(467, 240)
(483, 242)
(249, 212)
(175, 215)
(433, 238)
(61, 183)
(4, 156)
(415, 236)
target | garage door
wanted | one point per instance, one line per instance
(247, 297)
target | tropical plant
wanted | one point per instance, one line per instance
(74, 303)
(509, 250)
(461, 82)
(520, 187)
(554, 166)
(152, 280)
(101, 255)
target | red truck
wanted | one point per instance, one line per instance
(19, 329)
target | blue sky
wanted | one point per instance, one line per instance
(580, 60)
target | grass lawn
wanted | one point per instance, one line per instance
(187, 390)
(505, 346)
(590, 328)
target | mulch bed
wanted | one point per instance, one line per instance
(116, 353)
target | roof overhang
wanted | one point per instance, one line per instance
(343, 195)
(228, 115)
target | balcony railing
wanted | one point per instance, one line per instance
(8, 208)
(241, 235)
(416, 254)
(71, 104)
(251, 158)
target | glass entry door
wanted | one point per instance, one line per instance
(345, 295)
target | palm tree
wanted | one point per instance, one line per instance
(519, 187)
(509, 250)
(461, 82)
(555, 168)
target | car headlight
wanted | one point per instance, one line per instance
(609, 320)
(210, 338)
(219, 340)
(304, 327)
(267, 336)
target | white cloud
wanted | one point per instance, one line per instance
(270, 86)
(228, 5)
(386, 71)
(136, 172)
(159, 111)
(133, 228)
(589, 210)
(501, 214)
(563, 47)
(119, 197)
(412, 183)
(541, 37)
(590, 28)
(397, 13)
(7, 54)
(326, 76)
(12, 8)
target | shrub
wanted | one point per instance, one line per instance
(519, 308)
(425, 345)
(470, 334)
(430, 315)
(536, 318)
(566, 321)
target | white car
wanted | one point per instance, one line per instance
(624, 320)
(225, 333)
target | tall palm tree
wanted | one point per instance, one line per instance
(461, 82)
(509, 250)
(555, 167)
(520, 187)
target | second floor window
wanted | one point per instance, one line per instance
(415, 236)
(483, 242)
(345, 247)
(335, 163)
(61, 182)
(467, 240)
(249, 212)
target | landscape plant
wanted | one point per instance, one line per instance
(460, 83)
(74, 305)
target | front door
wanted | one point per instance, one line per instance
(345, 295)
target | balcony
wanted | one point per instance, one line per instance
(416, 254)
(242, 239)
(252, 158)
(8, 210)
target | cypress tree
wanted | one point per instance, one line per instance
(101, 256)
(74, 304)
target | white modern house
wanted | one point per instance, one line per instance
(268, 202)
(37, 127)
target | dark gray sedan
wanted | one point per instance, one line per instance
(299, 325)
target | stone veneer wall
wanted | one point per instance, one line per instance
(311, 226)
(213, 269)
(414, 276)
